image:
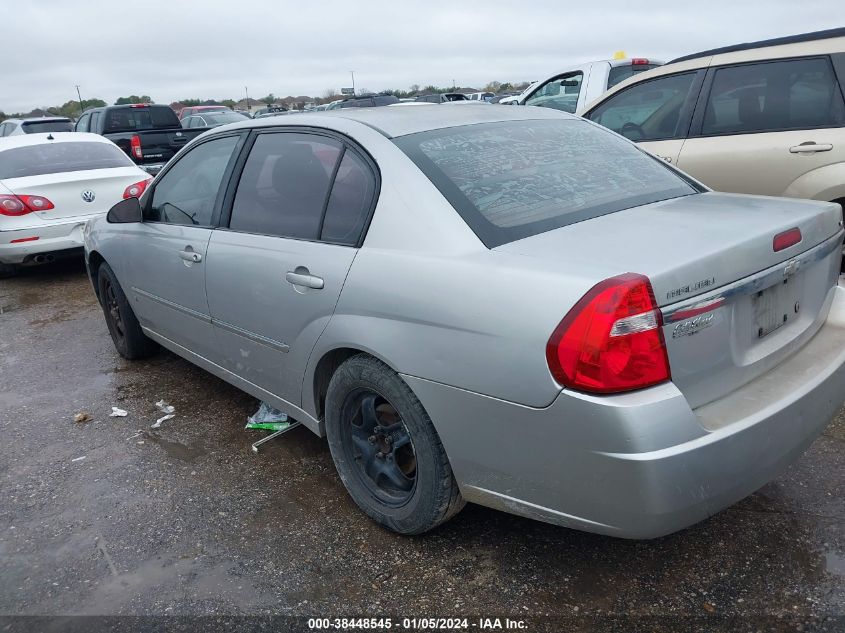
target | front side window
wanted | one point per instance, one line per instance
(285, 184)
(786, 95)
(560, 93)
(514, 179)
(647, 111)
(82, 124)
(187, 193)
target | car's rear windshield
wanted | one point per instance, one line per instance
(38, 127)
(57, 158)
(514, 179)
(621, 73)
(145, 118)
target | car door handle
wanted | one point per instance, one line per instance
(190, 256)
(809, 147)
(304, 279)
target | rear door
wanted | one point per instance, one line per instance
(655, 113)
(166, 281)
(760, 126)
(275, 274)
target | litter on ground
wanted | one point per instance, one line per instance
(162, 406)
(82, 418)
(164, 418)
(117, 413)
(76, 459)
(268, 418)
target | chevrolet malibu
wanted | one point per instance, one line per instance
(509, 306)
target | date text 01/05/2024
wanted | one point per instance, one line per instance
(415, 624)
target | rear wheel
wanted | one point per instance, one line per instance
(386, 449)
(129, 339)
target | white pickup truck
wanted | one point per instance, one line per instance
(573, 88)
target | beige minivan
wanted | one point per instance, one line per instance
(763, 118)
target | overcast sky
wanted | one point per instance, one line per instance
(214, 48)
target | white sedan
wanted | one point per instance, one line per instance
(50, 186)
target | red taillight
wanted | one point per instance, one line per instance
(135, 191)
(135, 143)
(20, 240)
(786, 239)
(21, 205)
(611, 340)
(639, 61)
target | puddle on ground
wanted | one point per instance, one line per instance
(174, 449)
(835, 563)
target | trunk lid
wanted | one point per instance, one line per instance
(732, 306)
(65, 190)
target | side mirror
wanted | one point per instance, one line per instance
(125, 211)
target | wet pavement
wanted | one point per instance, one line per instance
(111, 517)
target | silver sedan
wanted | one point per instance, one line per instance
(507, 306)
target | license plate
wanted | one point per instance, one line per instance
(776, 306)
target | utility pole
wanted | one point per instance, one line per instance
(453, 84)
(81, 109)
(352, 72)
(246, 90)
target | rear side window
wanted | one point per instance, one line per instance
(514, 179)
(57, 158)
(647, 111)
(284, 185)
(560, 93)
(785, 95)
(619, 74)
(145, 118)
(37, 127)
(187, 193)
(350, 201)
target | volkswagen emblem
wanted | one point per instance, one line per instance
(88, 195)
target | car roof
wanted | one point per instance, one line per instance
(8, 142)
(36, 119)
(395, 122)
(777, 41)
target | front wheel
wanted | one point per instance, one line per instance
(129, 339)
(386, 449)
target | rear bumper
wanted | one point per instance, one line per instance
(644, 464)
(56, 238)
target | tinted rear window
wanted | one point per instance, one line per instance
(149, 118)
(515, 179)
(621, 73)
(37, 127)
(57, 158)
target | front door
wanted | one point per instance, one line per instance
(166, 281)
(275, 274)
(765, 125)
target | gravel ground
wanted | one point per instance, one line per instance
(110, 517)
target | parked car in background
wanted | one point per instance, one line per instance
(275, 109)
(445, 97)
(481, 96)
(573, 88)
(149, 134)
(191, 110)
(212, 119)
(50, 185)
(35, 125)
(368, 101)
(413, 269)
(764, 118)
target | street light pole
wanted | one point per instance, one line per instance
(352, 72)
(81, 109)
(246, 90)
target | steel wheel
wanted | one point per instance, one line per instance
(379, 444)
(113, 310)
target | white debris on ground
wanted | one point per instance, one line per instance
(165, 418)
(162, 406)
(76, 459)
(117, 413)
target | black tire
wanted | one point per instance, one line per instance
(129, 339)
(404, 436)
(7, 270)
